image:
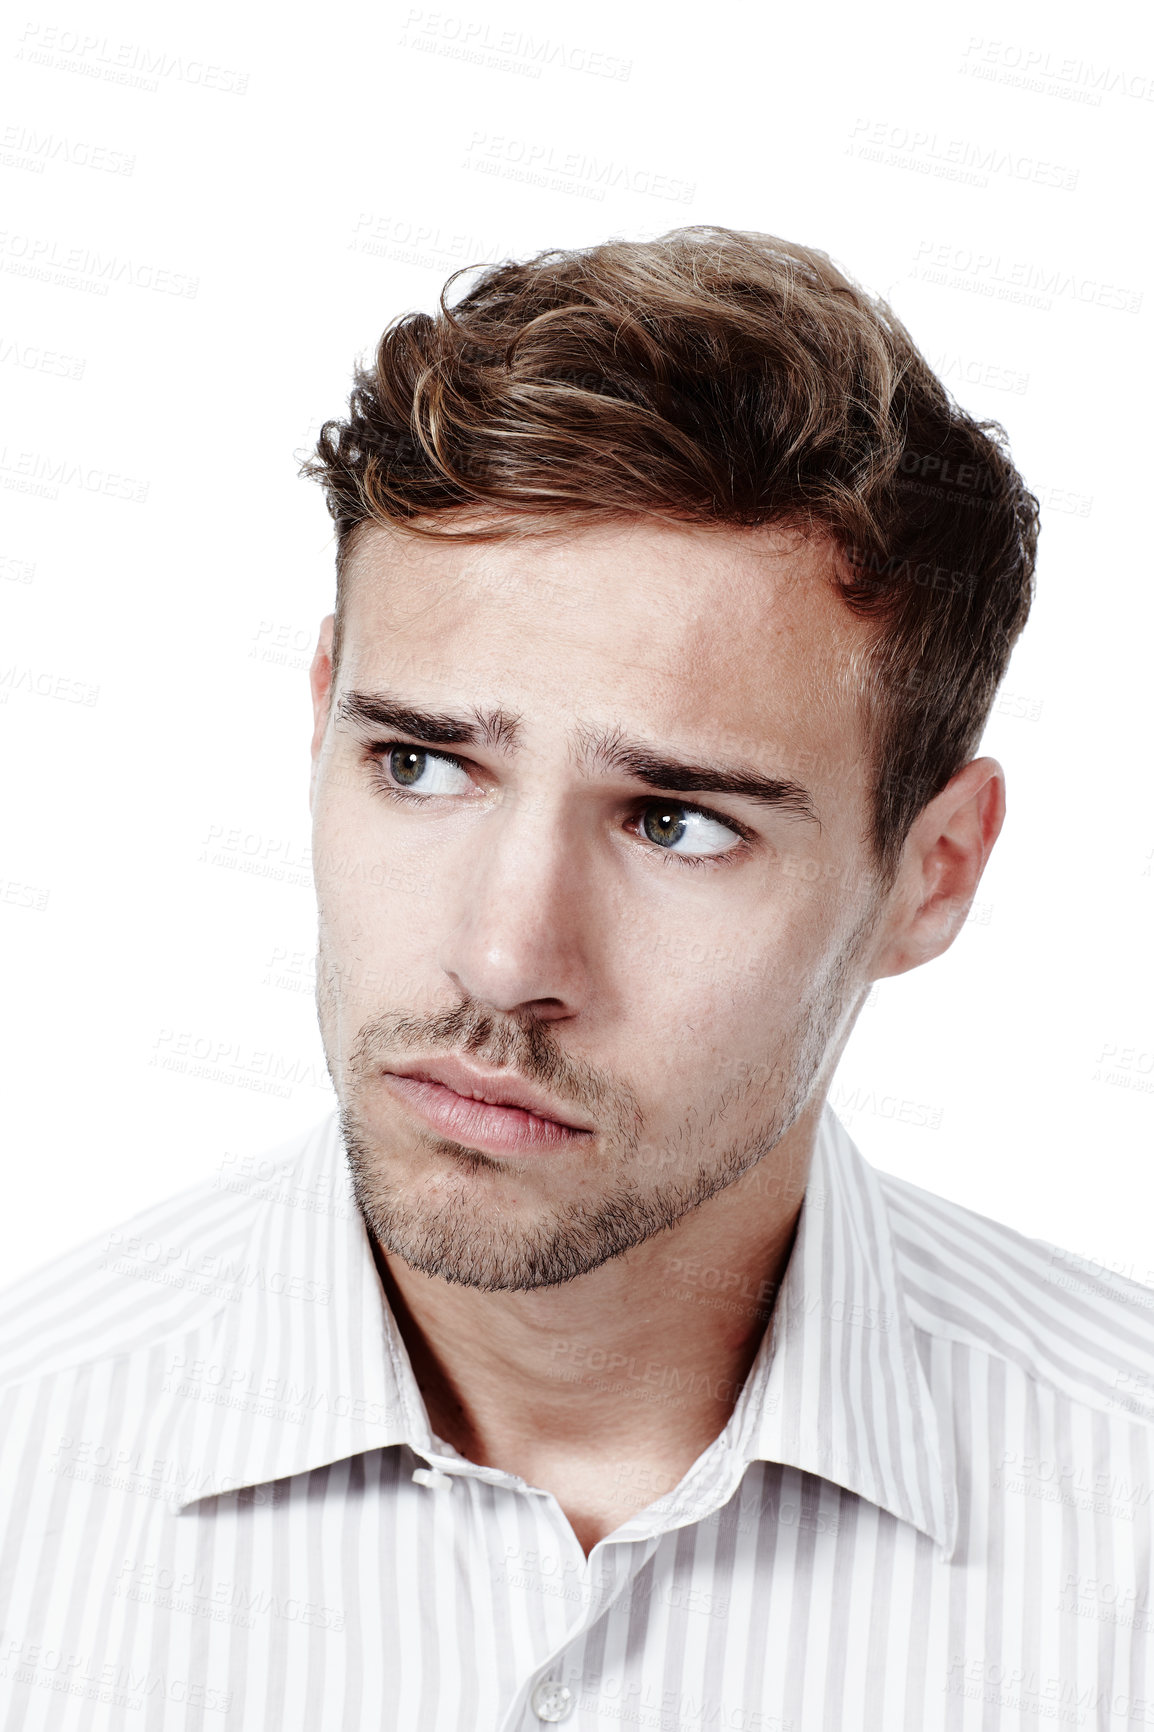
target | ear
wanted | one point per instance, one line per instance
(943, 860)
(320, 683)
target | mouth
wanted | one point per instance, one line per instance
(493, 1111)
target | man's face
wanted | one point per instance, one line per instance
(671, 969)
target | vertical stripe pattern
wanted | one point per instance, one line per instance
(223, 1506)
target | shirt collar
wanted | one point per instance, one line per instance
(305, 1364)
(837, 1388)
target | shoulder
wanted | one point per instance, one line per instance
(1062, 1319)
(158, 1274)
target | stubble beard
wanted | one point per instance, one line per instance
(461, 1240)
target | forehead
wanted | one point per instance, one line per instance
(694, 636)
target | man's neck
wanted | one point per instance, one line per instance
(606, 1389)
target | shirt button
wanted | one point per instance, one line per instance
(552, 1700)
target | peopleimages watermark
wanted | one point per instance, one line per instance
(417, 241)
(1128, 1067)
(1021, 281)
(1068, 76)
(33, 358)
(72, 1672)
(220, 1599)
(208, 1272)
(1038, 1695)
(284, 644)
(44, 683)
(133, 64)
(29, 148)
(1108, 1602)
(13, 570)
(47, 259)
(988, 375)
(539, 163)
(963, 159)
(851, 1103)
(37, 473)
(209, 1059)
(478, 42)
(20, 895)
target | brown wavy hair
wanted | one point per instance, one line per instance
(717, 377)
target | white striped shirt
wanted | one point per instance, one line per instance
(223, 1506)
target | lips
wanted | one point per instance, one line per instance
(493, 1088)
(488, 1110)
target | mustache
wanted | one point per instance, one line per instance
(515, 1041)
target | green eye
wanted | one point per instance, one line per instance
(664, 825)
(686, 832)
(406, 765)
(415, 770)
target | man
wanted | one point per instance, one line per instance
(581, 1370)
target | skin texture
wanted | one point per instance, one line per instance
(522, 916)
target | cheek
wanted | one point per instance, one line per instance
(373, 910)
(723, 1007)
(725, 971)
(372, 869)
(707, 1003)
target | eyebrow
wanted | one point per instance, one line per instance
(676, 776)
(364, 710)
(598, 750)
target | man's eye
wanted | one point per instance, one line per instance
(424, 772)
(683, 830)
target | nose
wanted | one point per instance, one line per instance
(518, 942)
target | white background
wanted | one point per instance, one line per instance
(210, 211)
